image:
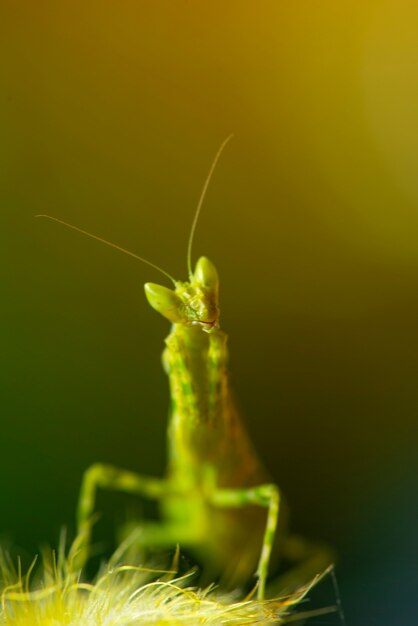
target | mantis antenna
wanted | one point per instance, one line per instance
(109, 243)
(199, 204)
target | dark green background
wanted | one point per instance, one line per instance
(110, 114)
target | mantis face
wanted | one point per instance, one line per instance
(193, 303)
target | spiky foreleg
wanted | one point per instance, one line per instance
(266, 496)
(111, 478)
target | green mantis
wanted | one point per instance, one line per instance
(216, 497)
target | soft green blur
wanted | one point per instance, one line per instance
(110, 115)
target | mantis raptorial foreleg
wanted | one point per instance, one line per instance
(267, 496)
(110, 478)
(217, 358)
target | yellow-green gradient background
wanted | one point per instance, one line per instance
(110, 113)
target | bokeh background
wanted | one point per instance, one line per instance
(110, 114)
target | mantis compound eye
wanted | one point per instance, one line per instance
(206, 275)
(165, 301)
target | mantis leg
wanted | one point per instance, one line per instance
(267, 496)
(107, 477)
(217, 358)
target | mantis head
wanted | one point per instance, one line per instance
(193, 303)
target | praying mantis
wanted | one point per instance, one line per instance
(216, 497)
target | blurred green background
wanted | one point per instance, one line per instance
(110, 114)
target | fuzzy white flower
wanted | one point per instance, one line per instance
(124, 595)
